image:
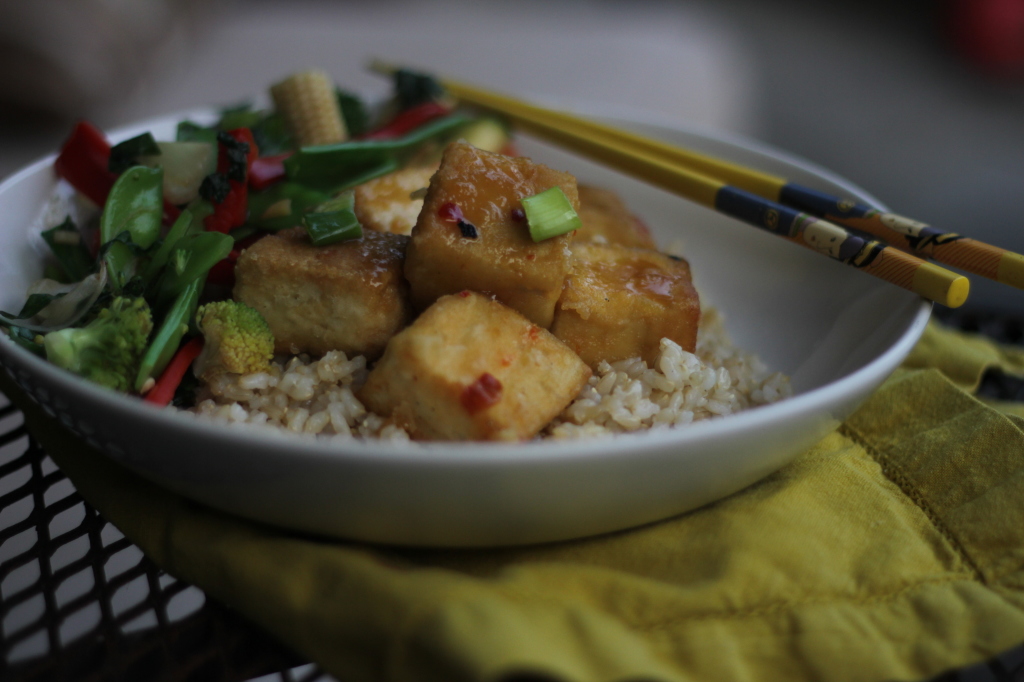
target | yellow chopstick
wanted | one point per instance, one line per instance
(644, 162)
(968, 254)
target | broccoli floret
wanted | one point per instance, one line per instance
(109, 349)
(237, 340)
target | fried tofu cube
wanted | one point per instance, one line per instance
(473, 235)
(606, 220)
(619, 303)
(471, 368)
(387, 203)
(349, 296)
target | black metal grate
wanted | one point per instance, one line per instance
(79, 601)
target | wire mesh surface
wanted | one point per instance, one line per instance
(78, 601)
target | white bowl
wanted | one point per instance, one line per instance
(839, 333)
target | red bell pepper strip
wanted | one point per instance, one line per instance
(266, 170)
(231, 212)
(234, 209)
(164, 388)
(223, 271)
(83, 162)
(408, 120)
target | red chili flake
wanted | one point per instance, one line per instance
(481, 394)
(464, 293)
(450, 212)
(518, 214)
(534, 332)
(531, 256)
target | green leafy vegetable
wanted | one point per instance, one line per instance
(33, 305)
(123, 155)
(65, 241)
(353, 110)
(412, 88)
(193, 132)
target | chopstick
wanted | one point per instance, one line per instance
(971, 255)
(648, 160)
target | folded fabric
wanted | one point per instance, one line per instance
(892, 550)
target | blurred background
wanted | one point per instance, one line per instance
(920, 102)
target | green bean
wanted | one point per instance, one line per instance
(334, 165)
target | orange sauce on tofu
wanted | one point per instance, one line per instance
(641, 278)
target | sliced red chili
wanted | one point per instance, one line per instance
(481, 394)
(451, 212)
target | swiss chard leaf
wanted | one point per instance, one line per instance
(412, 88)
(65, 240)
(357, 120)
(33, 305)
(124, 154)
(271, 135)
(239, 116)
(193, 132)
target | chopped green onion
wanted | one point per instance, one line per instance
(333, 221)
(550, 214)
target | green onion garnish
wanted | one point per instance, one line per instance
(550, 214)
(333, 221)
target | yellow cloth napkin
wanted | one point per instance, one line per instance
(892, 550)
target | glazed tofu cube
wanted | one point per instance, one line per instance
(606, 220)
(386, 204)
(472, 234)
(348, 296)
(619, 302)
(471, 368)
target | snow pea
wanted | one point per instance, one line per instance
(190, 261)
(134, 207)
(168, 337)
(183, 226)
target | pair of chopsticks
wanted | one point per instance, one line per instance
(800, 214)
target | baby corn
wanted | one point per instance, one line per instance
(310, 107)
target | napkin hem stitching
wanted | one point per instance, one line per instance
(901, 480)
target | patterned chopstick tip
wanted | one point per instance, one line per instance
(873, 257)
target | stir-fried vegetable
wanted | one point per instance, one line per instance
(108, 349)
(119, 304)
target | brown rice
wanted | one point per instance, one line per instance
(316, 396)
